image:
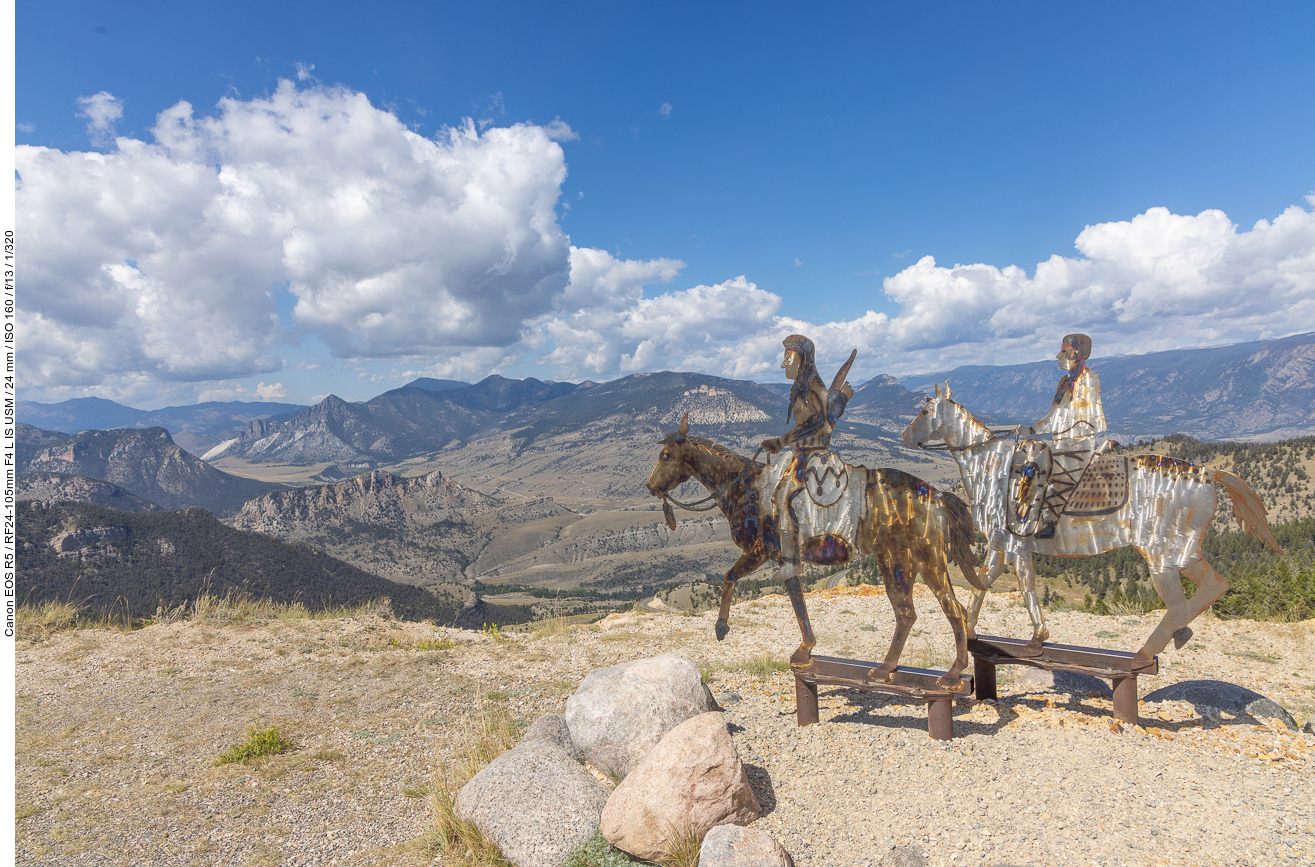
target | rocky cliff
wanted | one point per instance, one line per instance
(50, 488)
(424, 531)
(145, 462)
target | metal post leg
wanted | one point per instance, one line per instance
(805, 700)
(1125, 699)
(940, 719)
(984, 678)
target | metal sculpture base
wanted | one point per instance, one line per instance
(1113, 665)
(915, 683)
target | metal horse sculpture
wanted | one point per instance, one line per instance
(909, 526)
(1169, 504)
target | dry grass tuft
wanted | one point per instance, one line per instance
(682, 847)
(764, 665)
(550, 626)
(47, 618)
(459, 837)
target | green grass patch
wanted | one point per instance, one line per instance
(597, 852)
(259, 742)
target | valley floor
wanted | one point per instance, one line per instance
(118, 733)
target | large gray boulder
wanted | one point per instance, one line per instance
(536, 802)
(619, 713)
(1208, 697)
(551, 727)
(691, 781)
(734, 846)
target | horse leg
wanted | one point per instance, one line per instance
(1027, 583)
(1178, 615)
(939, 581)
(743, 566)
(1210, 585)
(899, 590)
(995, 564)
(804, 655)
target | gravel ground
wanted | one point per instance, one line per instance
(118, 733)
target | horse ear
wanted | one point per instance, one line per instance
(947, 389)
(684, 425)
(937, 387)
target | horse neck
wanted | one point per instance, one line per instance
(713, 469)
(964, 431)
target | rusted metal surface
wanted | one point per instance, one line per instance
(919, 684)
(805, 504)
(911, 527)
(1059, 657)
(1116, 666)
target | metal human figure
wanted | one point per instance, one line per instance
(1075, 419)
(815, 409)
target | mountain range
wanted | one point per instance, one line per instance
(1258, 391)
(145, 462)
(196, 428)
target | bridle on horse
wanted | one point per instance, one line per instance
(993, 436)
(710, 499)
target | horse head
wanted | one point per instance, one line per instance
(672, 468)
(941, 418)
(932, 421)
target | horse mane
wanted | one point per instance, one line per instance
(706, 445)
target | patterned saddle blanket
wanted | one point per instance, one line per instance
(1102, 489)
(827, 499)
(1037, 473)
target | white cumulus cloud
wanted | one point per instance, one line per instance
(1158, 281)
(159, 259)
(101, 111)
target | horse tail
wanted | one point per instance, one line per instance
(1247, 507)
(961, 539)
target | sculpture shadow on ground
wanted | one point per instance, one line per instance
(763, 788)
(910, 714)
(1212, 699)
(1073, 683)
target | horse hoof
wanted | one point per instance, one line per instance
(882, 673)
(723, 628)
(1034, 648)
(950, 684)
(802, 658)
(1141, 659)
(1181, 637)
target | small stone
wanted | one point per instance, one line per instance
(734, 846)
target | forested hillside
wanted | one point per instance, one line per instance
(124, 562)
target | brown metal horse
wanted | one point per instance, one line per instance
(909, 526)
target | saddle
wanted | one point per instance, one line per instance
(826, 507)
(1073, 487)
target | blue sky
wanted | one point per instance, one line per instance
(820, 155)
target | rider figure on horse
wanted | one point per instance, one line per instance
(1074, 420)
(815, 409)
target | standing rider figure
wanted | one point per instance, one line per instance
(815, 409)
(1074, 420)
